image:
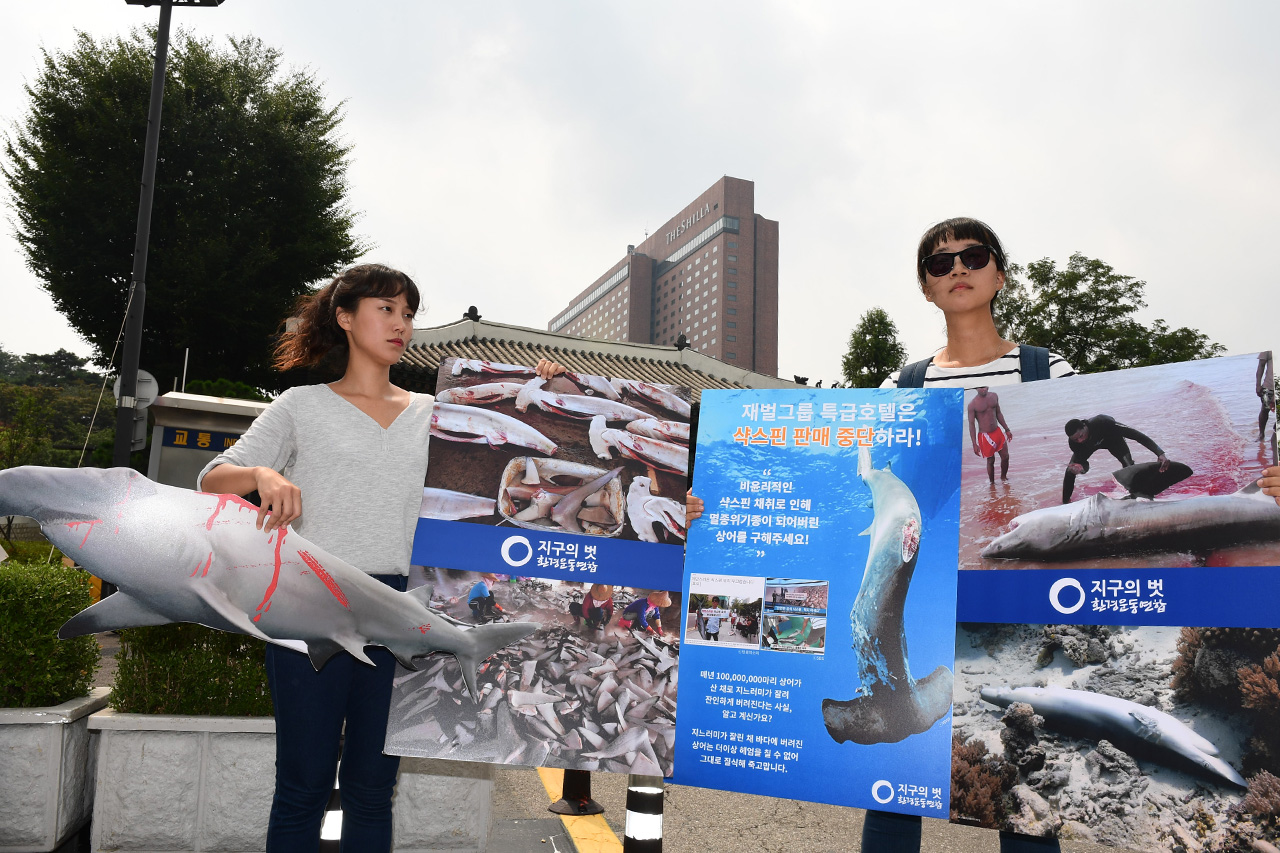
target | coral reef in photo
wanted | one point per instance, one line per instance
(1081, 644)
(980, 783)
(1236, 668)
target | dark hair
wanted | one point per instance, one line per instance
(961, 228)
(1073, 426)
(312, 332)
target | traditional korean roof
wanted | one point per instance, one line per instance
(482, 339)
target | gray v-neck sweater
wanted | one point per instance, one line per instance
(361, 484)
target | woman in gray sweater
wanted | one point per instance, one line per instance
(344, 463)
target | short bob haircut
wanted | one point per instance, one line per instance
(313, 331)
(961, 228)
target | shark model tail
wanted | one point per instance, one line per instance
(483, 640)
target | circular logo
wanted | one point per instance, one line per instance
(517, 540)
(875, 792)
(1056, 590)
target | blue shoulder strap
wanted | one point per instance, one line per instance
(912, 376)
(1033, 362)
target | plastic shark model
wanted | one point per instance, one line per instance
(183, 556)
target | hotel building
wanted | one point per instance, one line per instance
(710, 273)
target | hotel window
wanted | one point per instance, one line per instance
(732, 245)
(732, 355)
(713, 341)
(731, 310)
(731, 272)
(713, 328)
(717, 260)
(732, 297)
(713, 315)
(730, 337)
(731, 325)
(715, 248)
(733, 257)
(730, 284)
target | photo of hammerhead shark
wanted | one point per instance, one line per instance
(890, 705)
(177, 555)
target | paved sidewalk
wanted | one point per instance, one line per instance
(697, 820)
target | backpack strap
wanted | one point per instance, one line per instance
(1033, 362)
(912, 376)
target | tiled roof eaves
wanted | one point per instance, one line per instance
(520, 345)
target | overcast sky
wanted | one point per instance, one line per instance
(505, 154)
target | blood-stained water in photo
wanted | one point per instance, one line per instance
(1202, 413)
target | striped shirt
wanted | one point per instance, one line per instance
(1005, 370)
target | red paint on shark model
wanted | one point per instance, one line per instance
(223, 500)
(275, 577)
(326, 578)
(207, 564)
(74, 524)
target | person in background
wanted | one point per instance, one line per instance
(596, 607)
(484, 607)
(646, 613)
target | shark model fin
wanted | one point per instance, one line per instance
(217, 601)
(112, 613)
(482, 641)
(422, 594)
(320, 651)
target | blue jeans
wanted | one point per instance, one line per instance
(310, 708)
(888, 832)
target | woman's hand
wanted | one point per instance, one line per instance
(547, 369)
(281, 499)
(1270, 483)
(693, 508)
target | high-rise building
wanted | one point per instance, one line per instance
(710, 273)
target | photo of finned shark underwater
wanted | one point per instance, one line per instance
(1145, 738)
(593, 688)
(853, 677)
(1153, 467)
(579, 454)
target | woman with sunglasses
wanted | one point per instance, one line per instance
(960, 265)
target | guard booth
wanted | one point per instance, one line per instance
(190, 430)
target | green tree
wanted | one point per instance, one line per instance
(25, 414)
(249, 205)
(1086, 313)
(874, 351)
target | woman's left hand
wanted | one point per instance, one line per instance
(693, 508)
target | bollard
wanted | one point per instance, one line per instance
(575, 795)
(643, 832)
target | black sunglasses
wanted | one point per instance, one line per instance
(973, 258)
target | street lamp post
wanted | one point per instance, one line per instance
(127, 406)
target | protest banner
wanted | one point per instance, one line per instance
(559, 503)
(1117, 654)
(796, 675)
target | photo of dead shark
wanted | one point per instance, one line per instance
(1149, 467)
(891, 705)
(1137, 729)
(177, 555)
(561, 455)
(1101, 526)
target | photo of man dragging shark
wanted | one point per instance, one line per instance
(177, 555)
(1195, 503)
